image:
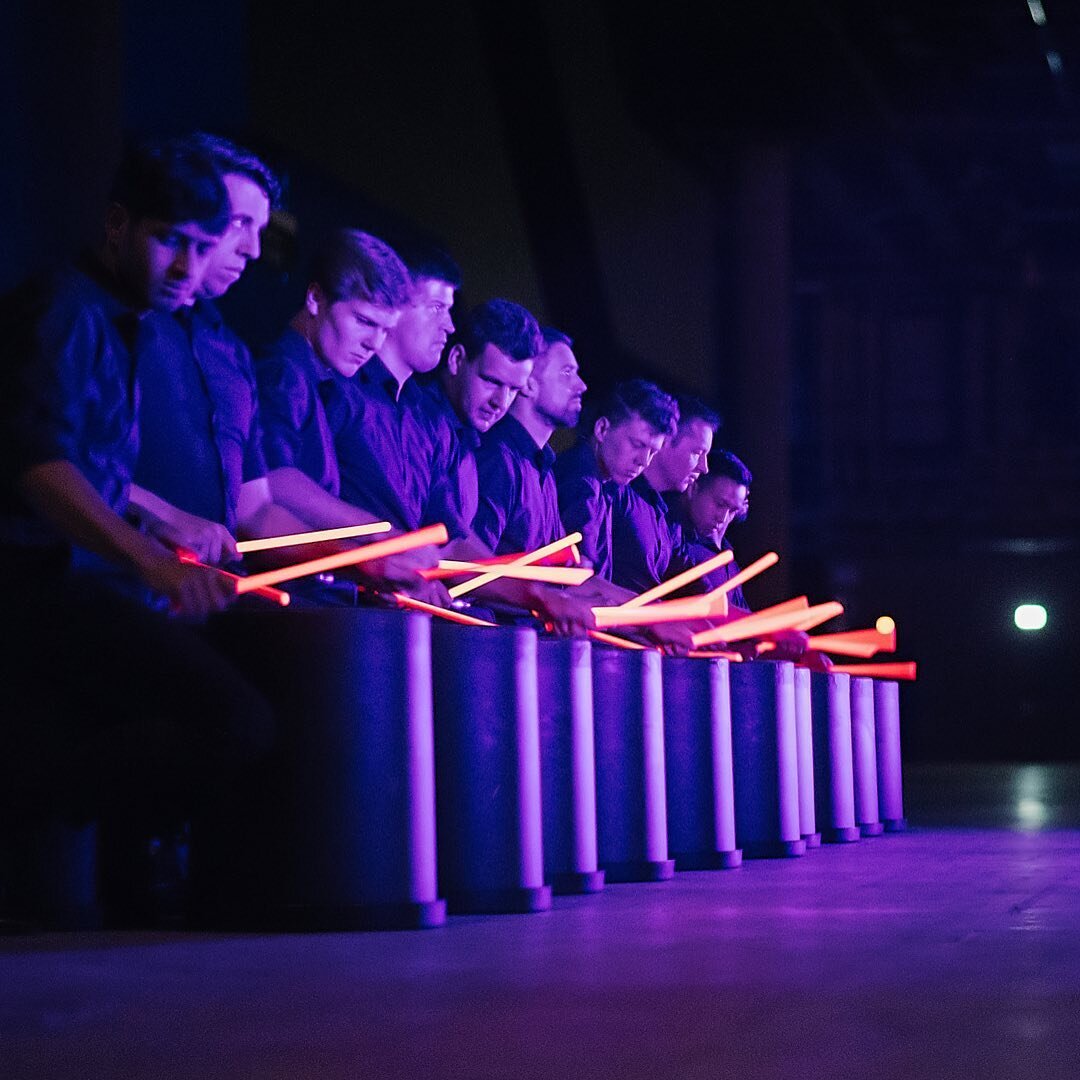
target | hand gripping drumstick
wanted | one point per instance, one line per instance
(265, 592)
(433, 534)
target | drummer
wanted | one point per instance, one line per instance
(110, 704)
(518, 500)
(647, 544)
(358, 288)
(200, 442)
(487, 368)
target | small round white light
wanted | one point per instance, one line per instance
(1030, 617)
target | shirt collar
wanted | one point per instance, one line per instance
(653, 497)
(512, 432)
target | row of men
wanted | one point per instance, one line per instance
(136, 424)
(136, 388)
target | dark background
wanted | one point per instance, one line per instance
(852, 226)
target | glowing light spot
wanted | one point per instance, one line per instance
(1054, 62)
(1031, 812)
(1030, 617)
(885, 625)
(1038, 15)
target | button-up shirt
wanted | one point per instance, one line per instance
(519, 503)
(198, 413)
(648, 545)
(294, 385)
(70, 392)
(585, 501)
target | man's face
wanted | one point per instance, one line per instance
(249, 212)
(715, 505)
(684, 458)
(421, 333)
(482, 389)
(160, 262)
(559, 387)
(624, 450)
(347, 333)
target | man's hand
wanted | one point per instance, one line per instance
(400, 573)
(192, 590)
(674, 638)
(210, 542)
(175, 528)
(567, 614)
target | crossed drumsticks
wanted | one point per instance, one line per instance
(647, 608)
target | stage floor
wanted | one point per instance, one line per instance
(950, 951)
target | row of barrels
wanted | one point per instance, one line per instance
(426, 767)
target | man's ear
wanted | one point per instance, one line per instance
(117, 223)
(601, 428)
(530, 389)
(455, 358)
(314, 299)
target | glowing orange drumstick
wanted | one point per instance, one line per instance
(613, 639)
(797, 603)
(671, 611)
(554, 575)
(315, 536)
(443, 613)
(679, 580)
(522, 560)
(758, 625)
(770, 558)
(711, 654)
(818, 614)
(900, 670)
(266, 593)
(433, 534)
(862, 639)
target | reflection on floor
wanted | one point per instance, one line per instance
(950, 951)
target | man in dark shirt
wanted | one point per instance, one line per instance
(519, 503)
(716, 499)
(110, 705)
(630, 425)
(387, 436)
(719, 497)
(309, 396)
(487, 366)
(648, 545)
(200, 438)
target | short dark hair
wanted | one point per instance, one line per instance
(723, 463)
(692, 408)
(552, 337)
(172, 181)
(426, 260)
(231, 158)
(641, 398)
(504, 324)
(354, 265)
